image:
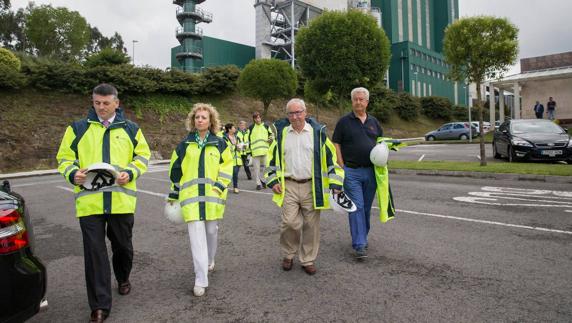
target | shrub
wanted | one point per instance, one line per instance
(11, 78)
(219, 79)
(382, 102)
(436, 107)
(408, 107)
(54, 75)
(8, 59)
(107, 56)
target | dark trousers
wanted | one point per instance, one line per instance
(235, 170)
(97, 269)
(246, 168)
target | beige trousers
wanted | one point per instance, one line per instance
(300, 227)
(259, 163)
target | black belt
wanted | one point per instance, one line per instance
(299, 181)
(352, 165)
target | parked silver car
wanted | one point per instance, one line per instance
(452, 131)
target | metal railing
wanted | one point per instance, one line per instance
(180, 30)
(204, 15)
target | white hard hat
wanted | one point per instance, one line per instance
(99, 175)
(173, 212)
(379, 154)
(341, 203)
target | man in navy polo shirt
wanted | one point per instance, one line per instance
(354, 137)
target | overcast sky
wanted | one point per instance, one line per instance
(544, 24)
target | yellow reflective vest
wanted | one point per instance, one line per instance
(199, 177)
(122, 145)
(326, 174)
(234, 150)
(243, 136)
(258, 138)
(383, 190)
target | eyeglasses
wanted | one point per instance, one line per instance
(295, 113)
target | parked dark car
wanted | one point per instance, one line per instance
(22, 275)
(452, 131)
(532, 139)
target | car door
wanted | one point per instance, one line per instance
(444, 132)
(458, 130)
(502, 139)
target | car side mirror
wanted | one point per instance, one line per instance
(504, 131)
(565, 129)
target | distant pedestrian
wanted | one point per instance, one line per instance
(538, 110)
(260, 136)
(201, 170)
(236, 146)
(551, 108)
(242, 135)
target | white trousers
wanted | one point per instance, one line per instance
(259, 163)
(203, 237)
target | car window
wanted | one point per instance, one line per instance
(535, 127)
(459, 126)
(445, 127)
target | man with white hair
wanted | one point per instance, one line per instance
(301, 171)
(355, 136)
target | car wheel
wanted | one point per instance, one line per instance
(495, 152)
(511, 155)
(463, 137)
(430, 138)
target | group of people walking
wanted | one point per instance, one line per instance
(550, 109)
(303, 168)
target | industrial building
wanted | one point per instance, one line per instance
(415, 29)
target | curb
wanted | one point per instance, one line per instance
(446, 173)
(483, 175)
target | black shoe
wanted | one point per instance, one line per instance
(258, 187)
(249, 178)
(360, 254)
(263, 185)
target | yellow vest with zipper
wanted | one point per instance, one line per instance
(122, 145)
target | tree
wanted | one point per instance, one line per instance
(339, 51)
(10, 76)
(266, 80)
(107, 56)
(57, 32)
(98, 42)
(12, 29)
(479, 48)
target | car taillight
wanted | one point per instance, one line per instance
(13, 234)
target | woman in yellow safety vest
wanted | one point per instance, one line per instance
(201, 170)
(236, 147)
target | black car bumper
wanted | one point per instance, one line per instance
(543, 154)
(22, 287)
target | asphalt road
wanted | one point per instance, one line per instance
(449, 152)
(459, 250)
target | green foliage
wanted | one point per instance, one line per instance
(162, 104)
(460, 113)
(55, 75)
(408, 106)
(382, 101)
(266, 80)
(479, 48)
(436, 107)
(12, 29)
(11, 78)
(339, 51)
(219, 79)
(9, 60)
(107, 56)
(57, 32)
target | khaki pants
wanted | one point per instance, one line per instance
(258, 163)
(300, 227)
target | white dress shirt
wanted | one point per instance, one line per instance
(298, 153)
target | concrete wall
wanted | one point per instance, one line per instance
(559, 90)
(546, 62)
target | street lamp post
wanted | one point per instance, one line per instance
(133, 52)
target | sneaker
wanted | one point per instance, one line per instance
(199, 291)
(236, 190)
(360, 254)
(258, 187)
(211, 267)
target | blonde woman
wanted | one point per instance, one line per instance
(201, 170)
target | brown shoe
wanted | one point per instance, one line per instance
(287, 264)
(98, 316)
(310, 269)
(124, 288)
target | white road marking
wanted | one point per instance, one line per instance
(421, 158)
(518, 226)
(39, 183)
